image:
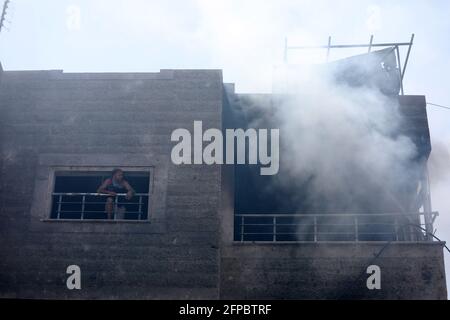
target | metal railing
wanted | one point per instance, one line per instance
(331, 227)
(89, 205)
(369, 46)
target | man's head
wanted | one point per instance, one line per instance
(117, 174)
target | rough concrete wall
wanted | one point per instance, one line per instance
(53, 118)
(332, 271)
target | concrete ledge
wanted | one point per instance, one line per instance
(361, 249)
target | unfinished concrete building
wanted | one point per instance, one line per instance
(192, 231)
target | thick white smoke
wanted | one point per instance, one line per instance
(344, 141)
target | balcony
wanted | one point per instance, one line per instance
(91, 206)
(333, 227)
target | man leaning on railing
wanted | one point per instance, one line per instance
(112, 186)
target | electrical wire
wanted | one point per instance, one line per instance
(438, 105)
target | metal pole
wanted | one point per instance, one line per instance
(115, 207)
(356, 230)
(140, 207)
(370, 42)
(2, 19)
(427, 205)
(58, 214)
(387, 44)
(242, 228)
(274, 229)
(399, 69)
(83, 199)
(407, 55)
(396, 228)
(315, 228)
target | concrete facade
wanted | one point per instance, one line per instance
(52, 120)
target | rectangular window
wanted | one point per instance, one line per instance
(75, 196)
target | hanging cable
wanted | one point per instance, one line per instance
(438, 105)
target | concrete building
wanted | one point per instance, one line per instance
(186, 240)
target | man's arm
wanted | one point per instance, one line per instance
(102, 188)
(130, 192)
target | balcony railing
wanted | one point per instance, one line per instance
(331, 227)
(72, 205)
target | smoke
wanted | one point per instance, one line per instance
(438, 163)
(344, 143)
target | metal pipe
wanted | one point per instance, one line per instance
(396, 228)
(428, 213)
(116, 198)
(390, 214)
(370, 43)
(83, 200)
(58, 214)
(242, 228)
(399, 69)
(390, 44)
(315, 228)
(407, 55)
(93, 194)
(140, 207)
(274, 228)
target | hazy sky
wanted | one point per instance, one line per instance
(244, 38)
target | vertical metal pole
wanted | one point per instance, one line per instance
(407, 55)
(274, 229)
(242, 228)
(427, 205)
(356, 229)
(115, 206)
(58, 214)
(2, 19)
(370, 42)
(399, 69)
(396, 228)
(140, 207)
(328, 48)
(83, 200)
(315, 228)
